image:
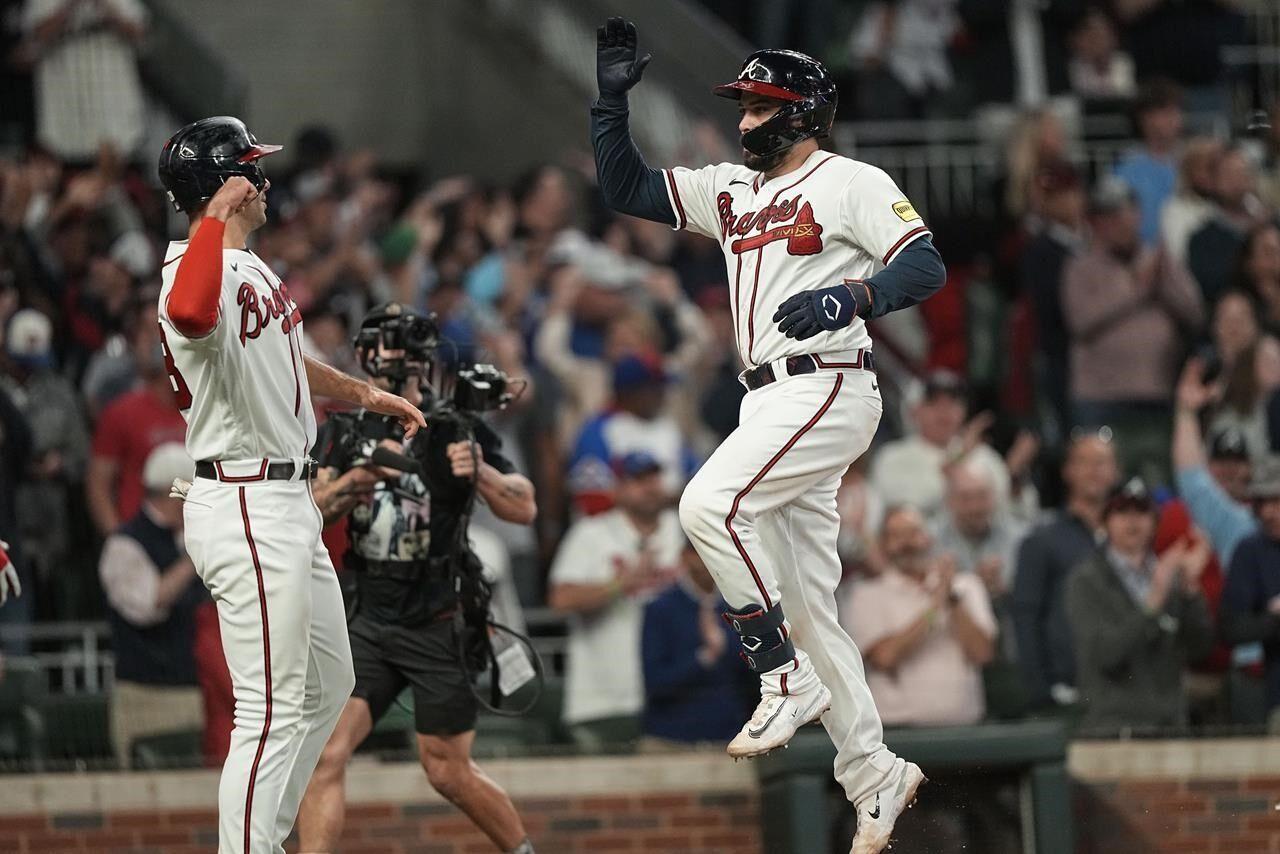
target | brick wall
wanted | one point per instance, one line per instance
(702, 822)
(1201, 816)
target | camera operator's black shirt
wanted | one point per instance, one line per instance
(411, 520)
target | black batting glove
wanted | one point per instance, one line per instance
(617, 68)
(807, 313)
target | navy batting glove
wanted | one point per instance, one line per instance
(617, 68)
(807, 313)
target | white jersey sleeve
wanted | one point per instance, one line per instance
(695, 195)
(876, 215)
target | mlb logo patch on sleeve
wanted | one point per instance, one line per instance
(905, 211)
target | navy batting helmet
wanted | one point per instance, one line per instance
(198, 159)
(801, 82)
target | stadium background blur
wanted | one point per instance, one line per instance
(1097, 181)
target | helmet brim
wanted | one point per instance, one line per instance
(258, 151)
(736, 88)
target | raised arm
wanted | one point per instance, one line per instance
(193, 300)
(627, 183)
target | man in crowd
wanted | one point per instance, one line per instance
(1060, 236)
(152, 594)
(636, 422)
(130, 428)
(927, 630)
(973, 530)
(49, 403)
(1045, 561)
(608, 566)
(1214, 247)
(695, 686)
(1251, 599)
(1151, 169)
(1214, 484)
(1138, 620)
(1129, 309)
(912, 470)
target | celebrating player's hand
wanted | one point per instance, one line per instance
(8, 575)
(617, 68)
(807, 313)
(465, 458)
(233, 195)
(386, 403)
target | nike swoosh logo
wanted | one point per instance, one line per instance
(743, 183)
(755, 733)
(875, 386)
(875, 813)
(234, 266)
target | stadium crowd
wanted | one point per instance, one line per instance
(1096, 534)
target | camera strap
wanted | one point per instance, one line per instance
(519, 652)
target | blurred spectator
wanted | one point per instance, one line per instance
(1151, 169)
(925, 630)
(60, 451)
(1037, 148)
(1191, 205)
(658, 313)
(973, 531)
(153, 592)
(1099, 70)
(1045, 561)
(608, 566)
(861, 511)
(129, 430)
(1237, 209)
(1138, 620)
(1251, 599)
(912, 470)
(1210, 484)
(1259, 272)
(1247, 372)
(1016, 51)
(15, 455)
(1127, 305)
(1061, 235)
(696, 688)
(1230, 468)
(1184, 41)
(900, 49)
(88, 92)
(634, 423)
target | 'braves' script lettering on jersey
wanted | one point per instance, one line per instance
(256, 313)
(804, 236)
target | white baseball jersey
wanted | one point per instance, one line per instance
(830, 220)
(243, 387)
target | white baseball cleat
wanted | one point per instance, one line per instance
(777, 718)
(878, 812)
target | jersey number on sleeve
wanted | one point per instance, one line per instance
(180, 390)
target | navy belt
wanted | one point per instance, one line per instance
(270, 471)
(797, 365)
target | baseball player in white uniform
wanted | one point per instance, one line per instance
(233, 348)
(816, 244)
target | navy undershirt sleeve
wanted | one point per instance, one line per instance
(916, 274)
(627, 183)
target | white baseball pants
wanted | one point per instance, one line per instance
(762, 514)
(256, 546)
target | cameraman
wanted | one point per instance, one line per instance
(403, 529)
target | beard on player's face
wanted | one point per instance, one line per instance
(762, 162)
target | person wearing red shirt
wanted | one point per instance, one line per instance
(129, 429)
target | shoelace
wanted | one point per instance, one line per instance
(768, 704)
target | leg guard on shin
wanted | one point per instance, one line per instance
(765, 645)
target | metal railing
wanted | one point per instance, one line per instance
(74, 656)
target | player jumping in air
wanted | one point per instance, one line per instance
(232, 339)
(816, 245)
